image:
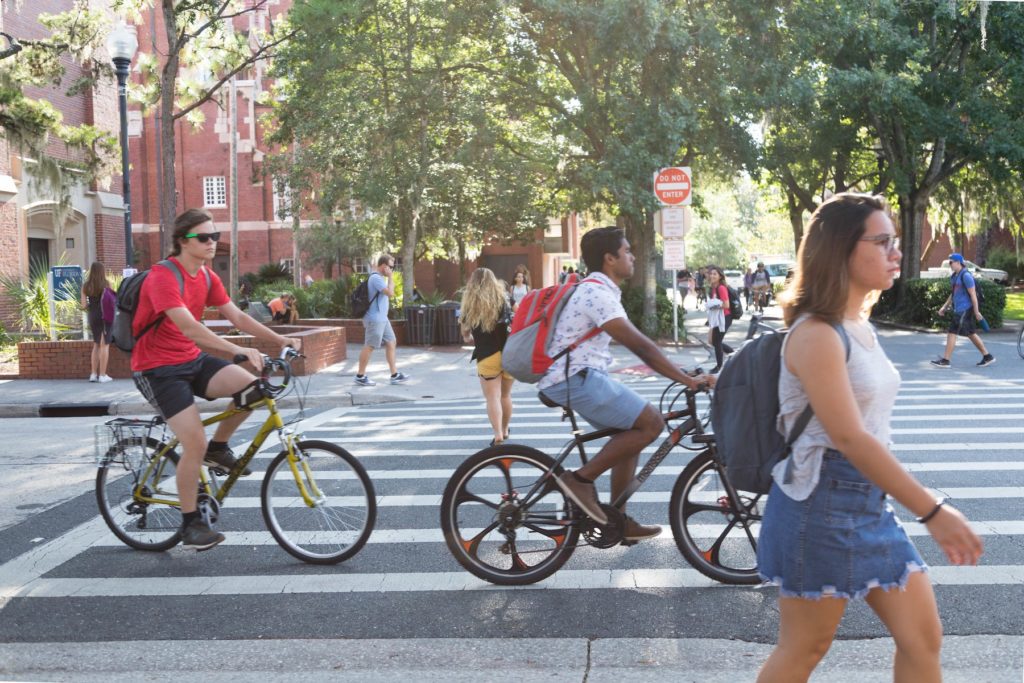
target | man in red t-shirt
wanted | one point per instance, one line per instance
(170, 369)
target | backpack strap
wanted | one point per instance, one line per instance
(805, 417)
(173, 267)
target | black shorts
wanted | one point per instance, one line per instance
(173, 388)
(101, 330)
(963, 323)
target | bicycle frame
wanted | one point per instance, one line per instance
(209, 483)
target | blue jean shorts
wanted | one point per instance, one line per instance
(602, 401)
(842, 541)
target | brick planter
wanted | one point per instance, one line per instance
(354, 328)
(70, 359)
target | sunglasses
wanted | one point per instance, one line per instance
(205, 237)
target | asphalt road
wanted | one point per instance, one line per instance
(65, 579)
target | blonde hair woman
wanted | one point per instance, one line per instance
(484, 321)
(828, 535)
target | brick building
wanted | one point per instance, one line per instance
(94, 228)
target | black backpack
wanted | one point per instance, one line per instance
(745, 410)
(128, 302)
(735, 308)
(359, 302)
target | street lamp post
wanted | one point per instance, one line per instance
(122, 44)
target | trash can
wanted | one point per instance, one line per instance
(446, 323)
(419, 324)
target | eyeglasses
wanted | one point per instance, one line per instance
(889, 243)
(205, 237)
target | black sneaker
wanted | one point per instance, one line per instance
(199, 536)
(940, 363)
(223, 460)
(987, 359)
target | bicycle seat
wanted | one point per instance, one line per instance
(703, 438)
(546, 401)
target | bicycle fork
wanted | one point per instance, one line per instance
(298, 463)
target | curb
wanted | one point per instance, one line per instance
(1007, 328)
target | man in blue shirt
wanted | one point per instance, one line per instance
(964, 300)
(376, 326)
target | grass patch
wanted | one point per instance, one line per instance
(1014, 306)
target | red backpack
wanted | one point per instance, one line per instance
(525, 355)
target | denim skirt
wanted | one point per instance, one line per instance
(842, 541)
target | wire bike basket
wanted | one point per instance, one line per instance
(126, 442)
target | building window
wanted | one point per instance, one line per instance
(215, 191)
(289, 264)
(360, 265)
(282, 199)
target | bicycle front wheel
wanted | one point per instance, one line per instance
(333, 521)
(716, 533)
(1020, 342)
(137, 493)
(492, 531)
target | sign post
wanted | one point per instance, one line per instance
(672, 186)
(673, 224)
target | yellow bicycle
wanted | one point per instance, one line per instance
(317, 500)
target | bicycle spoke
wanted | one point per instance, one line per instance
(467, 497)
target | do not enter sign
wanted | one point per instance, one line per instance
(672, 185)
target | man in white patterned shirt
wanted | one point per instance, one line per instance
(604, 402)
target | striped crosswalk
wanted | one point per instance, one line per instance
(970, 449)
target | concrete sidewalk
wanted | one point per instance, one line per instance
(436, 372)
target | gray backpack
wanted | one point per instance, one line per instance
(745, 409)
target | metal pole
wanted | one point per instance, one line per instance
(121, 68)
(233, 115)
(675, 307)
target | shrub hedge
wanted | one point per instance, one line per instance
(924, 297)
(633, 302)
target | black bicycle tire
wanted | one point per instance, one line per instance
(1020, 342)
(701, 462)
(371, 505)
(101, 485)
(449, 510)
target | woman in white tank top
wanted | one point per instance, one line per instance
(828, 534)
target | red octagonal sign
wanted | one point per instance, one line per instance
(672, 185)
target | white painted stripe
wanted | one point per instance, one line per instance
(962, 446)
(960, 430)
(664, 470)
(334, 583)
(700, 531)
(957, 409)
(425, 500)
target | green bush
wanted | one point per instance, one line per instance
(923, 297)
(324, 299)
(271, 290)
(269, 272)
(633, 302)
(1005, 259)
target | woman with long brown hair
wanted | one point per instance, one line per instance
(99, 300)
(484, 320)
(828, 535)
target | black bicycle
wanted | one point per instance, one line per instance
(506, 521)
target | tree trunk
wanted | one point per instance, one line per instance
(796, 220)
(168, 77)
(913, 207)
(640, 233)
(409, 220)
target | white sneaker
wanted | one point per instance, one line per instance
(105, 378)
(93, 377)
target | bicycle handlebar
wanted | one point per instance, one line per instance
(282, 363)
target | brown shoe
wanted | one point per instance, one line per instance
(635, 531)
(584, 495)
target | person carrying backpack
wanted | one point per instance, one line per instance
(966, 314)
(99, 300)
(580, 377)
(719, 315)
(377, 328)
(828, 535)
(170, 369)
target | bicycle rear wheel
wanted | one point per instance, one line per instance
(715, 533)
(130, 479)
(344, 506)
(490, 532)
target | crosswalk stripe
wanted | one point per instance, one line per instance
(334, 583)
(699, 531)
(424, 500)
